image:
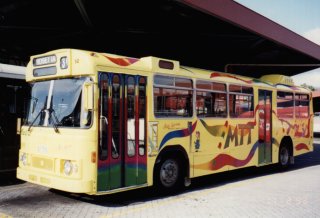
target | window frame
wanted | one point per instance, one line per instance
(174, 87)
(293, 105)
(196, 90)
(241, 94)
(297, 106)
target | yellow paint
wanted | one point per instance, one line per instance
(3, 215)
(278, 79)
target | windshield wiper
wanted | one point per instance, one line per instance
(55, 119)
(40, 112)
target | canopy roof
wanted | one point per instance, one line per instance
(218, 35)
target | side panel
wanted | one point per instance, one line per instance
(227, 138)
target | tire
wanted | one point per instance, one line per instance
(284, 157)
(168, 174)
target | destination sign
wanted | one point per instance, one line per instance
(44, 60)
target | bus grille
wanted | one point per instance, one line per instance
(42, 163)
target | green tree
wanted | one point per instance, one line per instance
(304, 85)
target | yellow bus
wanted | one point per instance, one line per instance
(100, 123)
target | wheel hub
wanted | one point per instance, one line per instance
(284, 156)
(169, 173)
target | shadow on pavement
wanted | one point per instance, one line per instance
(9, 178)
(143, 195)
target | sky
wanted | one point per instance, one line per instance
(301, 17)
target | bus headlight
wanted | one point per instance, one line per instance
(68, 167)
(23, 159)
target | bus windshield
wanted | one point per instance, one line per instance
(58, 103)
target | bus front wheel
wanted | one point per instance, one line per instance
(168, 174)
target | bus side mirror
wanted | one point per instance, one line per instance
(88, 96)
(18, 126)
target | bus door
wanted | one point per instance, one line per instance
(265, 126)
(122, 151)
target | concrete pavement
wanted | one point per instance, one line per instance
(253, 192)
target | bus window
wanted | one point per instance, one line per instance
(175, 101)
(241, 101)
(115, 116)
(182, 82)
(210, 104)
(104, 93)
(163, 80)
(131, 118)
(285, 104)
(61, 107)
(142, 116)
(302, 105)
(211, 99)
(200, 108)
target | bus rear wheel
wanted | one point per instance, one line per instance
(284, 157)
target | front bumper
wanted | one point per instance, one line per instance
(55, 182)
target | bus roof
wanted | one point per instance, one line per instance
(12, 71)
(87, 61)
